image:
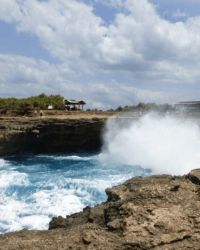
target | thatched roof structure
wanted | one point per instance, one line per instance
(82, 102)
(74, 102)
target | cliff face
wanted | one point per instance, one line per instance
(155, 212)
(48, 135)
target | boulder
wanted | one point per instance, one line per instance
(194, 176)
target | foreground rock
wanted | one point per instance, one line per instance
(156, 212)
(48, 135)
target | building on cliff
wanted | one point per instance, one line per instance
(73, 103)
(192, 106)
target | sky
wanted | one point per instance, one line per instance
(108, 53)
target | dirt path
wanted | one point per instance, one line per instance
(57, 116)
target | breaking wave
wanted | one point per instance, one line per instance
(34, 189)
(166, 145)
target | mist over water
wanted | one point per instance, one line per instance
(165, 145)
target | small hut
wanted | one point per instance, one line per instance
(82, 103)
(74, 103)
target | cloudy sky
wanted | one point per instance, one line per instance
(106, 52)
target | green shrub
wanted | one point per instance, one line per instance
(41, 100)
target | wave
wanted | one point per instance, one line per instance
(29, 204)
(17, 214)
(72, 157)
(36, 188)
(75, 158)
(166, 145)
(4, 163)
(12, 178)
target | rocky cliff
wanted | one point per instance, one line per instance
(160, 212)
(47, 135)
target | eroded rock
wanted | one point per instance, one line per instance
(48, 135)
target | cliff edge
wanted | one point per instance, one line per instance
(159, 212)
(47, 134)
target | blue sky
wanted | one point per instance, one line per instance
(108, 53)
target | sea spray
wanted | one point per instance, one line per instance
(166, 145)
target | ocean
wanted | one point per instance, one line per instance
(35, 188)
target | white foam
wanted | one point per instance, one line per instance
(3, 163)
(164, 145)
(12, 178)
(31, 199)
(34, 211)
(57, 202)
(9, 208)
(36, 214)
(71, 157)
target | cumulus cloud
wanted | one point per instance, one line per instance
(21, 75)
(68, 29)
(138, 44)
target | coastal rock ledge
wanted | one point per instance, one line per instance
(48, 135)
(156, 212)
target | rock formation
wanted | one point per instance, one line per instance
(47, 135)
(160, 212)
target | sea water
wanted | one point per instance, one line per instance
(35, 188)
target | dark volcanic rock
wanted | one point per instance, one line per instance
(159, 212)
(48, 135)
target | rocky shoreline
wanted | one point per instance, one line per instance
(48, 134)
(159, 212)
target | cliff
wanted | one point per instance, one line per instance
(160, 212)
(48, 135)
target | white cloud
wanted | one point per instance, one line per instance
(68, 29)
(178, 14)
(21, 75)
(139, 44)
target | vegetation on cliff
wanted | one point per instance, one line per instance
(41, 101)
(56, 101)
(146, 107)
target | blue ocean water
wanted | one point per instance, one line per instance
(34, 188)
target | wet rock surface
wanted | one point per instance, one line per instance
(155, 212)
(48, 135)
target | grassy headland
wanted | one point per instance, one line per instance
(40, 101)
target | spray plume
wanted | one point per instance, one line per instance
(166, 145)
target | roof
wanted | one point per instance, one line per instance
(188, 103)
(74, 102)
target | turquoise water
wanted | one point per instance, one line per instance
(34, 188)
